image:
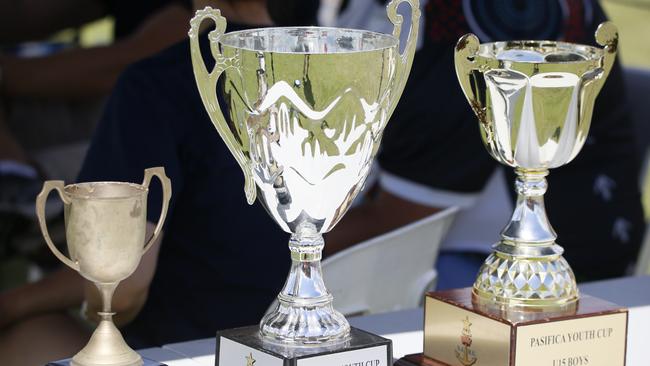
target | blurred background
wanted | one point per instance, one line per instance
(632, 19)
(57, 73)
(59, 151)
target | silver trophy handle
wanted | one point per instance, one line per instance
(607, 36)
(207, 84)
(406, 57)
(167, 194)
(41, 199)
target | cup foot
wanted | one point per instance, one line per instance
(295, 325)
(107, 348)
(522, 282)
(138, 362)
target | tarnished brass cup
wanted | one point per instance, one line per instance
(105, 225)
(534, 102)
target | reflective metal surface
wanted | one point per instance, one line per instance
(534, 102)
(307, 107)
(516, 314)
(105, 230)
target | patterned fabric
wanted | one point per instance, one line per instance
(445, 20)
(496, 20)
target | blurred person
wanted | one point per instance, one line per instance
(142, 28)
(219, 263)
(432, 156)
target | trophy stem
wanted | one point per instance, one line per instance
(304, 314)
(106, 346)
(527, 269)
(106, 291)
(529, 224)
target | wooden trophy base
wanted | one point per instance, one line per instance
(418, 359)
(245, 346)
(461, 331)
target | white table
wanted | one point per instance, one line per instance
(404, 328)
(168, 357)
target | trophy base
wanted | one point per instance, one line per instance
(460, 330)
(418, 359)
(241, 346)
(147, 362)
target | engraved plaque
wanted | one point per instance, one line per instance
(593, 340)
(460, 332)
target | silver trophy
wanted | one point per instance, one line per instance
(306, 108)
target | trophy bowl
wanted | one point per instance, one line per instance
(305, 111)
(105, 225)
(534, 103)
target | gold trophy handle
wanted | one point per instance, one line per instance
(607, 36)
(464, 53)
(207, 84)
(406, 57)
(167, 194)
(41, 199)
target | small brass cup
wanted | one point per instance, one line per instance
(105, 226)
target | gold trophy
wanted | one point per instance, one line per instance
(305, 109)
(105, 224)
(534, 102)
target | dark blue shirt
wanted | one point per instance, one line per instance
(130, 15)
(221, 262)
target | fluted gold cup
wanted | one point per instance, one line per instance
(534, 102)
(105, 225)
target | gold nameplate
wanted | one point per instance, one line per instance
(458, 333)
(458, 337)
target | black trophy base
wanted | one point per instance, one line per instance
(245, 346)
(147, 362)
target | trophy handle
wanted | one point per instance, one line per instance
(207, 85)
(167, 193)
(41, 199)
(607, 36)
(406, 57)
(466, 72)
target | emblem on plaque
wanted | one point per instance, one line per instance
(464, 353)
(250, 361)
